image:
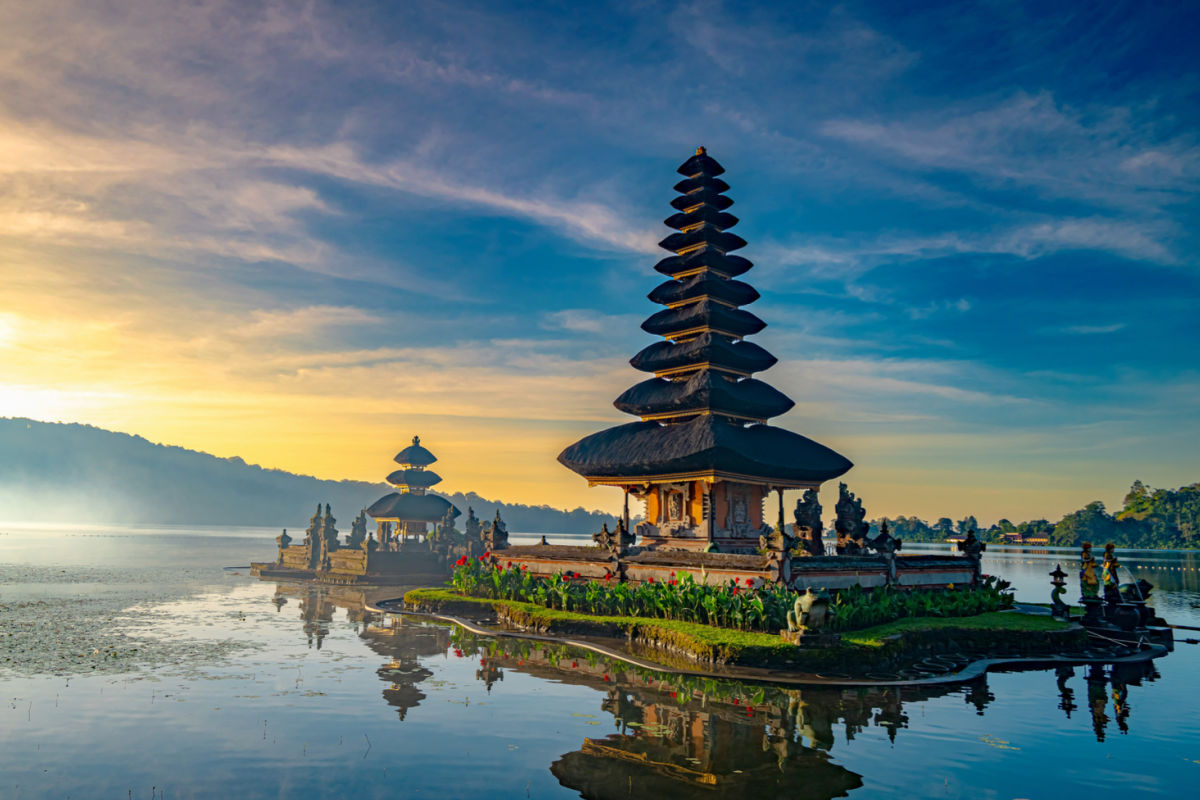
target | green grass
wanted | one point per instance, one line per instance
(704, 640)
(729, 645)
(992, 621)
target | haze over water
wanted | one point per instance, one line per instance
(133, 664)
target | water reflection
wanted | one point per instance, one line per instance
(677, 734)
(403, 643)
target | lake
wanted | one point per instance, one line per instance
(135, 663)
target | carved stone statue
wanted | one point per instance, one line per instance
(810, 612)
(851, 524)
(329, 538)
(284, 541)
(496, 537)
(808, 525)
(973, 549)
(1089, 584)
(312, 539)
(777, 548)
(358, 531)
(473, 533)
(887, 546)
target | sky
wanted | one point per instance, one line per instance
(300, 233)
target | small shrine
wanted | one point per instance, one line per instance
(401, 551)
(703, 457)
(404, 516)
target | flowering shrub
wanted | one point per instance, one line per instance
(761, 608)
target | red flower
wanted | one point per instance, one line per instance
(749, 711)
(651, 579)
(483, 662)
(736, 701)
(672, 694)
(520, 662)
(524, 566)
(735, 590)
(606, 676)
(576, 574)
(749, 581)
(672, 573)
(487, 553)
(574, 664)
(510, 564)
(458, 653)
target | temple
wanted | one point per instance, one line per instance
(403, 549)
(703, 458)
(403, 517)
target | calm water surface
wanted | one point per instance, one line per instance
(135, 664)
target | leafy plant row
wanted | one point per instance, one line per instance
(757, 606)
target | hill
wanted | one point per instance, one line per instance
(61, 472)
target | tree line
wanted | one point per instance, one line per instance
(1149, 518)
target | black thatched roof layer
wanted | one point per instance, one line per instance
(710, 348)
(704, 314)
(701, 164)
(419, 478)
(707, 195)
(704, 284)
(702, 444)
(708, 257)
(704, 391)
(708, 235)
(702, 214)
(415, 455)
(411, 507)
(688, 185)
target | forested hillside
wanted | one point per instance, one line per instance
(1158, 518)
(58, 472)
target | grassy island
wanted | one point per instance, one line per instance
(877, 646)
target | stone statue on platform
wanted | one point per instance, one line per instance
(887, 546)
(808, 524)
(312, 539)
(810, 612)
(973, 549)
(329, 538)
(851, 524)
(777, 546)
(284, 541)
(473, 533)
(444, 537)
(1089, 587)
(1089, 584)
(358, 531)
(496, 537)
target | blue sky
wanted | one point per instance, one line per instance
(296, 231)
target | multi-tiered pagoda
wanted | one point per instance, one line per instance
(404, 516)
(703, 457)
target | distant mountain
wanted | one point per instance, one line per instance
(60, 472)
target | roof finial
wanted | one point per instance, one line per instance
(416, 440)
(701, 150)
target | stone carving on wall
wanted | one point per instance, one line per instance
(808, 526)
(851, 524)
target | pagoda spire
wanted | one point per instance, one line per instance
(703, 414)
(703, 365)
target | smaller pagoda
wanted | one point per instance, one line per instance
(404, 516)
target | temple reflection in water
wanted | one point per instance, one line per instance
(683, 734)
